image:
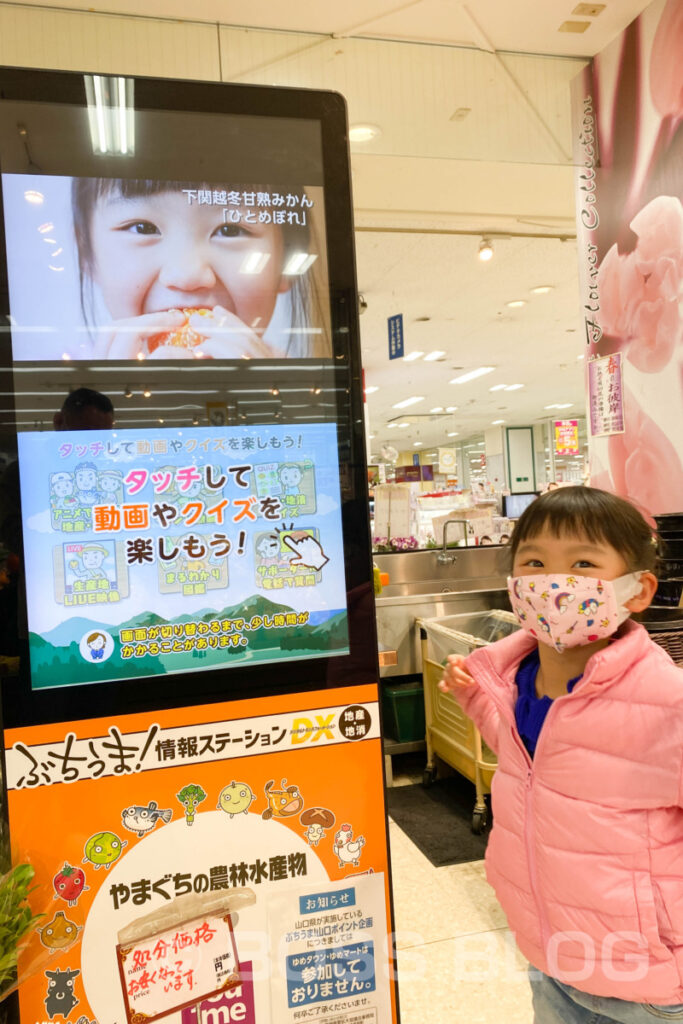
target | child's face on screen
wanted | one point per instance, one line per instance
(158, 252)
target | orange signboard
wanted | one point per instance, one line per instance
(282, 795)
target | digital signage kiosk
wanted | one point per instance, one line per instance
(191, 701)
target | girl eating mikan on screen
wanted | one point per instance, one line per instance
(181, 280)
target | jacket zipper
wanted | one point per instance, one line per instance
(529, 804)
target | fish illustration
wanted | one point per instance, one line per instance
(143, 819)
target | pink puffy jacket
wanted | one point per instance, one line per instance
(586, 851)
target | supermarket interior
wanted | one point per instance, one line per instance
(498, 195)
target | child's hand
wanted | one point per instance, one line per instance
(127, 339)
(228, 338)
(455, 675)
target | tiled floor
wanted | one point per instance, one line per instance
(457, 961)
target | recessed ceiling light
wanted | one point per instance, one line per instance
(453, 433)
(412, 356)
(391, 426)
(413, 400)
(513, 387)
(451, 408)
(364, 132)
(372, 436)
(580, 357)
(371, 389)
(498, 387)
(437, 408)
(472, 375)
(497, 423)
(516, 303)
(431, 357)
(402, 426)
(542, 289)
(559, 405)
(417, 444)
(574, 26)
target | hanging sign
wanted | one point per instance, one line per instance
(606, 395)
(566, 437)
(395, 325)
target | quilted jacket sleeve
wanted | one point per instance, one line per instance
(479, 706)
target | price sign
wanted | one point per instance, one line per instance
(178, 968)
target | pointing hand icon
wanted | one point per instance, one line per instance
(307, 550)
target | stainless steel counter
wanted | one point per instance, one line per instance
(420, 587)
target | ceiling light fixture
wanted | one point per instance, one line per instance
(513, 387)
(370, 389)
(542, 289)
(146, 393)
(472, 375)
(485, 250)
(516, 303)
(402, 426)
(364, 132)
(437, 408)
(417, 444)
(413, 400)
(110, 114)
(497, 423)
(498, 387)
(432, 357)
(412, 356)
(298, 263)
(453, 433)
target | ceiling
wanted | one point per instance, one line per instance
(525, 26)
(537, 345)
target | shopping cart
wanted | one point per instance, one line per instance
(451, 735)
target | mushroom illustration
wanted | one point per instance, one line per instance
(316, 820)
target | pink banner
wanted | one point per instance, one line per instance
(628, 111)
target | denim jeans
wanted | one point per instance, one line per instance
(557, 1003)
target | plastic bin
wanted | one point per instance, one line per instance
(403, 710)
(450, 734)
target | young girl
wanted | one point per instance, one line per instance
(149, 249)
(585, 712)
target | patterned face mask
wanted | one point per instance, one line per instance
(568, 611)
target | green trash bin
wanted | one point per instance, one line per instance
(403, 710)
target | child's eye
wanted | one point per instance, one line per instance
(229, 231)
(141, 227)
(583, 563)
(533, 563)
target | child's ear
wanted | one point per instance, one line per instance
(643, 600)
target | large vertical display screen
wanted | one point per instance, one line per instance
(151, 552)
(125, 268)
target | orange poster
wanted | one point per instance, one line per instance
(283, 796)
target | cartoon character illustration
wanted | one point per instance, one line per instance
(86, 483)
(97, 642)
(60, 999)
(283, 803)
(347, 849)
(92, 556)
(290, 477)
(600, 587)
(102, 849)
(236, 799)
(69, 883)
(589, 607)
(268, 549)
(110, 483)
(543, 623)
(571, 581)
(62, 490)
(143, 819)
(517, 588)
(532, 586)
(317, 819)
(59, 933)
(189, 797)
(604, 623)
(563, 600)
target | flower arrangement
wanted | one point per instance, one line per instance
(384, 545)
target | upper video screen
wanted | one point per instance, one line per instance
(134, 269)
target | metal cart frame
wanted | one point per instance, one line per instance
(450, 734)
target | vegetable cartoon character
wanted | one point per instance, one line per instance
(69, 883)
(103, 849)
(59, 933)
(317, 819)
(283, 803)
(189, 797)
(235, 799)
(60, 999)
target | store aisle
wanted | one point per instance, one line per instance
(456, 959)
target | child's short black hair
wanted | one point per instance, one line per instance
(599, 515)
